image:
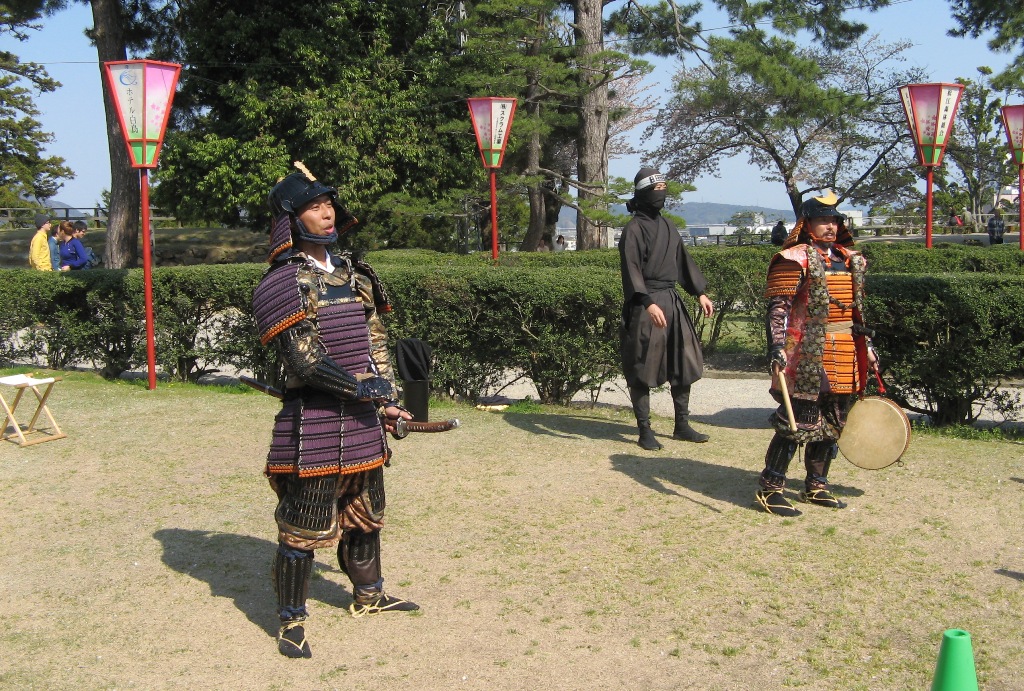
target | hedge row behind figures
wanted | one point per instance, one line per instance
(947, 340)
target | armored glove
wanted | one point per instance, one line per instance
(777, 358)
(374, 389)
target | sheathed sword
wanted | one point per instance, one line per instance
(402, 426)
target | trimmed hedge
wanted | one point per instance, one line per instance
(946, 338)
(947, 341)
(913, 258)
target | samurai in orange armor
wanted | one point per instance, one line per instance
(818, 341)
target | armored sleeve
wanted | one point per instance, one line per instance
(784, 278)
(777, 319)
(304, 356)
(379, 353)
(286, 317)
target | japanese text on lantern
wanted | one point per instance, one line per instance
(499, 123)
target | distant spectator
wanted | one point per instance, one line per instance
(779, 233)
(996, 228)
(79, 231)
(72, 253)
(543, 245)
(54, 248)
(39, 248)
(955, 223)
(560, 243)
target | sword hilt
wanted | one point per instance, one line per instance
(403, 427)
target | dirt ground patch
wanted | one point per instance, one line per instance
(546, 549)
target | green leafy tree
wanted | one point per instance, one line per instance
(760, 57)
(118, 25)
(25, 170)
(840, 126)
(1006, 21)
(977, 155)
(347, 87)
(514, 48)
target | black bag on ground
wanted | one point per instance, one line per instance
(412, 358)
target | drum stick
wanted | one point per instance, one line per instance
(785, 398)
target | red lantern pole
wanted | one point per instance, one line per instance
(930, 109)
(142, 91)
(147, 279)
(1013, 125)
(492, 120)
(928, 209)
(1020, 207)
(494, 214)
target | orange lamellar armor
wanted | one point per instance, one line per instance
(783, 278)
(840, 356)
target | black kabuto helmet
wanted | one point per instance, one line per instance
(295, 191)
(818, 207)
(824, 205)
(286, 200)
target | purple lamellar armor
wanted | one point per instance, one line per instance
(317, 433)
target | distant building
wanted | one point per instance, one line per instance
(711, 230)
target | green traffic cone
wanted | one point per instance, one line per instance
(955, 669)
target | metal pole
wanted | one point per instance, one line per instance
(928, 212)
(147, 274)
(1020, 206)
(494, 214)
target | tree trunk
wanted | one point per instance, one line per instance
(592, 142)
(123, 215)
(533, 190)
(795, 198)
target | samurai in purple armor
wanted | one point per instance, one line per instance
(320, 311)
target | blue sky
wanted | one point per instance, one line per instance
(74, 113)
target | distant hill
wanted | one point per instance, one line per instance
(704, 213)
(695, 213)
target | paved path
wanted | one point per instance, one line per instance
(723, 399)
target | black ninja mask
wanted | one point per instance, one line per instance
(646, 198)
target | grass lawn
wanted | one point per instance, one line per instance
(546, 549)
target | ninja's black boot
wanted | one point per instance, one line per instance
(647, 440)
(683, 432)
(770, 495)
(818, 459)
(681, 404)
(640, 397)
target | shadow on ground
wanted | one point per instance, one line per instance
(238, 567)
(737, 418)
(718, 482)
(566, 426)
(663, 475)
(570, 426)
(1015, 575)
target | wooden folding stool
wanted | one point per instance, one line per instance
(23, 382)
